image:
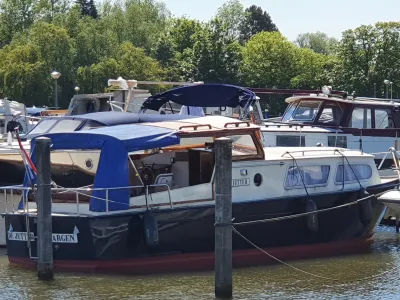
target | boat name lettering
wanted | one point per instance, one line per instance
(240, 182)
(67, 238)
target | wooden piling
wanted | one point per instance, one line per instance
(223, 218)
(43, 202)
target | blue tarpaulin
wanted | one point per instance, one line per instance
(203, 95)
(115, 143)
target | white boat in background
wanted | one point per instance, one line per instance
(14, 114)
(371, 125)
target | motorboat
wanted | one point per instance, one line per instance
(69, 168)
(13, 114)
(75, 168)
(371, 125)
(151, 206)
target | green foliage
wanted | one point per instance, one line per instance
(256, 20)
(217, 57)
(270, 60)
(319, 42)
(232, 15)
(128, 62)
(138, 39)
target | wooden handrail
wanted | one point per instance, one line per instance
(195, 127)
(237, 124)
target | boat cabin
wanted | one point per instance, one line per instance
(370, 125)
(336, 112)
(164, 159)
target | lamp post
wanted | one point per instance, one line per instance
(391, 90)
(55, 76)
(77, 88)
(387, 82)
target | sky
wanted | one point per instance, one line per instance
(299, 16)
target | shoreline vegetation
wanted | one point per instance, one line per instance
(90, 43)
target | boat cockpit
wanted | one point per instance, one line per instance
(336, 112)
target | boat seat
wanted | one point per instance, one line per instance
(166, 178)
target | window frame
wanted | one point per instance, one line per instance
(371, 109)
(324, 105)
(299, 105)
(307, 186)
(389, 117)
(342, 182)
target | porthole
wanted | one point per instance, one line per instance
(89, 164)
(258, 179)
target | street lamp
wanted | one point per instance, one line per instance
(387, 82)
(55, 76)
(77, 88)
(391, 90)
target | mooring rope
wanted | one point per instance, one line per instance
(307, 213)
(305, 272)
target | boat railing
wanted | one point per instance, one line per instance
(395, 154)
(334, 151)
(12, 196)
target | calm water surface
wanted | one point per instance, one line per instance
(271, 282)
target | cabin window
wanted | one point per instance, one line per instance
(361, 118)
(311, 175)
(345, 173)
(243, 145)
(306, 111)
(290, 141)
(43, 126)
(289, 112)
(92, 125)
(66, 126)
(331, 114)
(383, 118)
(337, 141)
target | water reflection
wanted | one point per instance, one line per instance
(272, 282)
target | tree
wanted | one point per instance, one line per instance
(232, 15)
(47, 10)
(20, 69)
(88, 8)
(43, 47)
(217, 57)
(165, 50)
(367, 56)
(140, 22)
(313, 69)
(319, 42)
(15, 16)
(94, 41)
(256, 20)
(269, 60)
(128, 61)
(183, 32)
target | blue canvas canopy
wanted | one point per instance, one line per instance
(203, 95)
(115, 143)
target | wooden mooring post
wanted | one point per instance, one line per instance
(223, 218)
(43, 202)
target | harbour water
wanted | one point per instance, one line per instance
(374, 275)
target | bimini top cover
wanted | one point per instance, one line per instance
(112, 118)
(113, 170)
(203, 95)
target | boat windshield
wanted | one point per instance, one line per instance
(305, 111)
(53, 126)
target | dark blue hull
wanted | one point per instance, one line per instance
(190, 231)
